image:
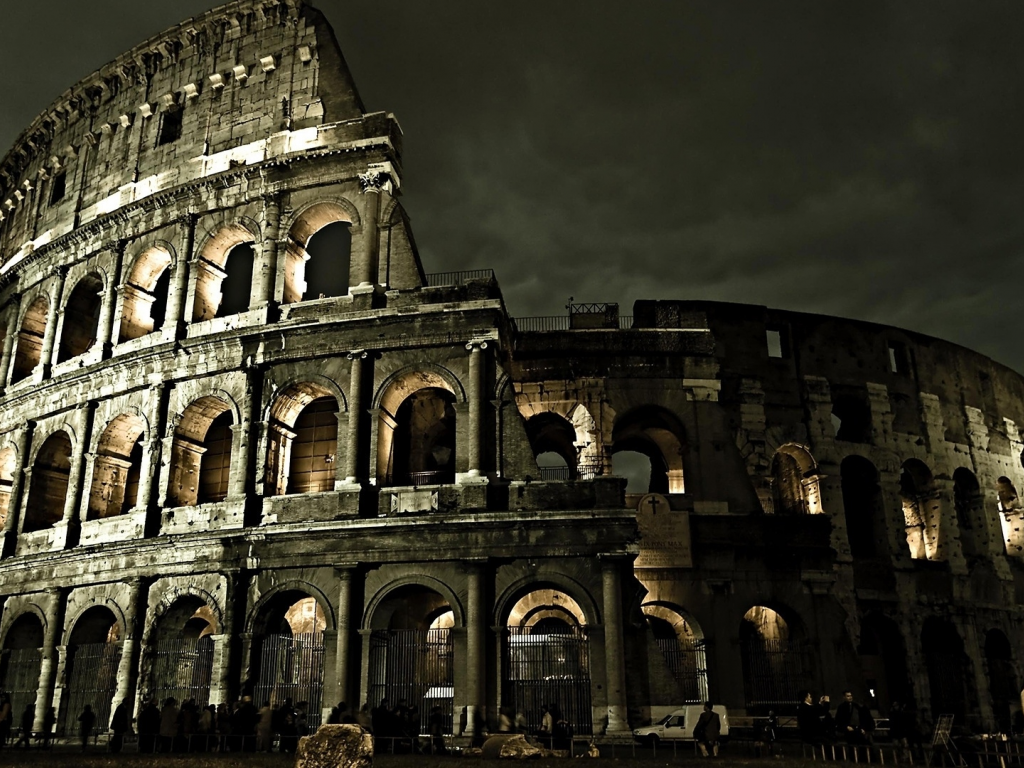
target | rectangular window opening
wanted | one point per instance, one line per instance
(774, 338)
(58, 187)
(170, 127)
(899, 358)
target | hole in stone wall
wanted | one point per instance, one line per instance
(329, 252)
(81, 318)
(236, 288)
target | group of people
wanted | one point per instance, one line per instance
(853, 722)
(26, 721)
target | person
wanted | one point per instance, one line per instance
(521, 725)
(435, 725)
(28, 717)
(6, 719)
(223, 726)
(771, 732)
(264, 738)
(149, 727)
(707, 730)
(561, 732)
(206, 727)
(504, 720)
(86, 721)
(289, 739)
(169, 724)
(854, 721)
(810, 718)
(118, 727)
(547, 727)
(301, 720)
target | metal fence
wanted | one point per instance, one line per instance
(543, 670)
(92, 680)
(183, 669)
(689, 667)
(292, 667)
(438, 279)
(414, 665)
(19, 677)
(559, 323)
(774, 671)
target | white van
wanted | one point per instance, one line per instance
(678, 725)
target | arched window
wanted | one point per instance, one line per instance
(682, 646)
(920, 509)
(657, 434)
(30, 340)
(92, 658)
(425, 438)
(1007, 493)
(883, 657)
(318, 259)
(553, 440)
(8, 463)
(144, 304)
(311, 468)
(21, 660)
(775, 661)
(1002, 678)
(794, 482)
(863, 508)
(851, 415)
(117, 468)
(224, 274)
(81, 318)
(947, 667)
(201, 454)
(49, 486)
(182, 652)
(969, 505)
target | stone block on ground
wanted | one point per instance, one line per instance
(336, 746)
(512, 746)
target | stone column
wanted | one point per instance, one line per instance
(48, 665)
(476, 408)
(364, 268)
(615, 671)
(105, 334)
(179, 283)
(127, 669)
(9, 338)
(355, 411)
(151, 447)
(223, 688)
(266, 288)
(343, 657)
(72, 522)
(476, 622)
(50, 334)
(14, 508)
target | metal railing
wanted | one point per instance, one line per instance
(439, 279)
(559, 323)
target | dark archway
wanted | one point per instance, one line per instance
(657, 434)
(553, 436)
(93, 657)
(1002, 678)
(777, 663)
(330, 253)
(682, 645)
(181, 653)
(424, 441)
(29, 351)
(48, 489)
(969, 505)
(20, 662)
(81, 318)
(947, 666)
(883, 658)
(863, 508)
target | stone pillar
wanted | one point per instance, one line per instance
(476, 399)
(173, 319)
(66, 536)
(105, 334)
(127, 669)
(50, 334)
(9, 338)
(476, 623)
(14, 506)
(223, 688)
(615, 670)
(343, 657)
(151, 448)
(48, 666)
(267, 277)
(365, 265)
(355, 411)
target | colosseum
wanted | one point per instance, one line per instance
(237, 462)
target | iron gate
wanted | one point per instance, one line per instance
(549, 670)
(774, 671)
(415, 665)
(689, 667)
(92, 679)
(19, 673)
(183, 668)
(946, 677)
(292, 667)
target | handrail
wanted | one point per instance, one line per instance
(439, 279)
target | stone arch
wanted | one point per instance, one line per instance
(80, 328)
(13, 639)
(1002, 678)
(21, 659)
(681, 641)
(883, 657)
(72, 621)
(774, 652)
(921, 509)
(863, 507)
(795, 488)
(201, 451)
(307, 223)
(8, 466)
(29, 350)
(173, 599)
(1006, 491)
(145, 291)
(969, 508)
(551, 433)
(948, 667)
(372, 615)
(178, 658)
(48, 487)
(117, 467)
(416, 435)
(92, 657)
(262, 611)
(302, 438)
(658, 434)
(506, 601)
(213, 270)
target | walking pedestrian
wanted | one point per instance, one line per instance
(49, 720)
(707, 730)
(169, 725)
(28, 716)
(6, 719)
(264, 734)
(118, 727)
(149, 727)
(86, 722)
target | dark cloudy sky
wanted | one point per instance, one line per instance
(860, 158)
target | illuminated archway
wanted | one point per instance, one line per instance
(144, 295)
(80, 328)
(201, 454)
(29, 350)
(48, 489)
(117, 468)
